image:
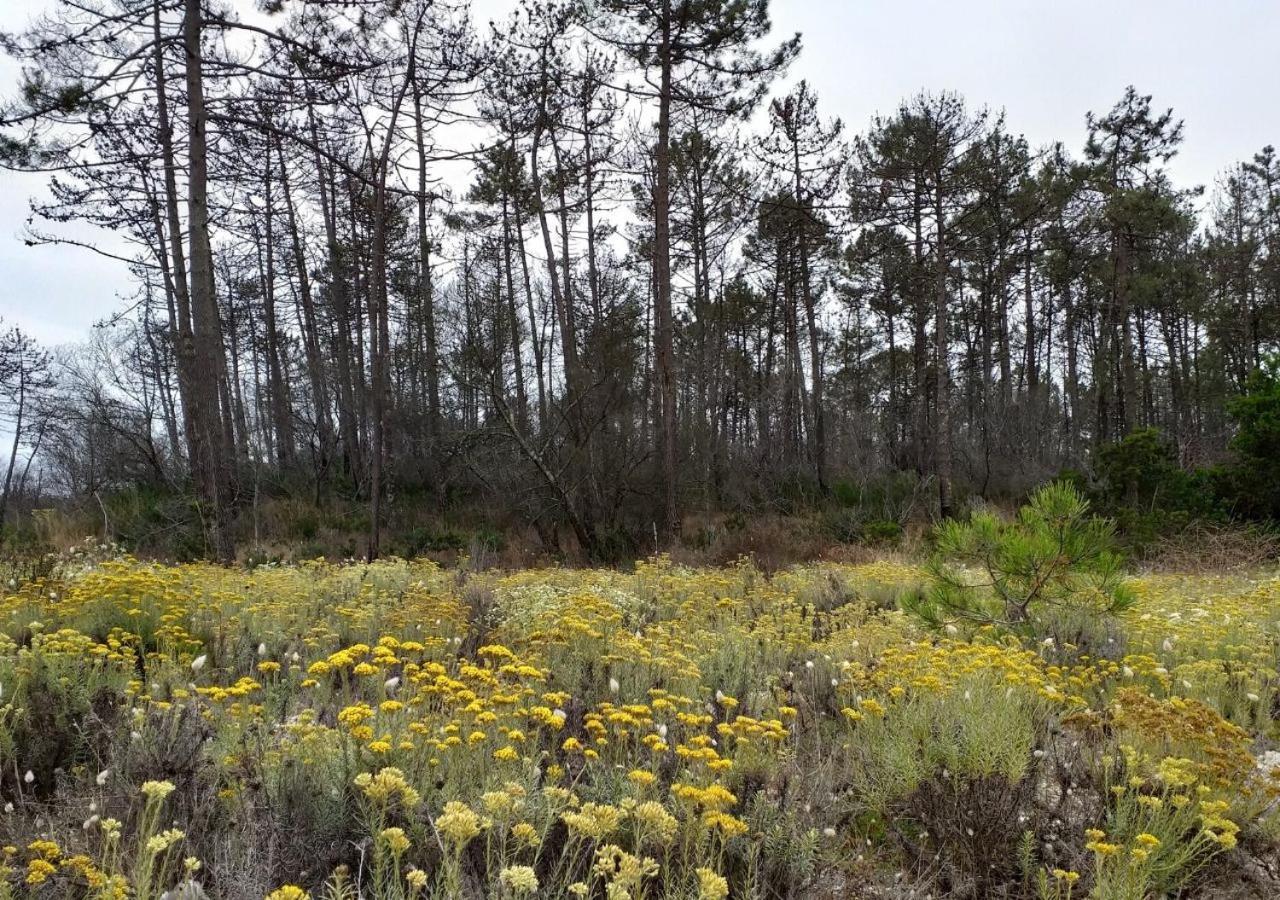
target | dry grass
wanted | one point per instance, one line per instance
(1207, 548)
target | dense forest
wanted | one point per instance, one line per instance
(595, 268)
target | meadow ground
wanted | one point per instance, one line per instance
(403, 730)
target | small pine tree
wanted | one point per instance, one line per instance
(1053, 558)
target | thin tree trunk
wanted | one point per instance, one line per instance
(183, 340)
(17, 438)
(211, 451)
(665, 326)
(281, 414)
(310, 327)
(942, 365)
(426, 298)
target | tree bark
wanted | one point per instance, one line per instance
(211, 455)
(663, 319)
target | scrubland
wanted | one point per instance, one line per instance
(401, 730)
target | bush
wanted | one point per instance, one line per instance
(1254, 479)
(1141, 470)
(1151, 496)
(306, 526)
(58, 707)
(1055, 559)
(880, 531)
(419, 541)
(25, 556)
(893, 497)
(843, 525)
(856, 525)
(1148, 493)
(953, 773)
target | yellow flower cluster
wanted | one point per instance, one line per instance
(663, 718)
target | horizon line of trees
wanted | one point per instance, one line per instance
(582, 266)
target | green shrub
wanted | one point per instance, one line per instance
(1253, 481)
(1141, 470)
(489, 539)
(854, 525)
(1150, 495)
(889, 497)
(842, 524)
(306, 526)
(953, 773)
(881, 531)
(418, 541)
(1142, 486)
(25, 556)
(58, 708)
(153, 521)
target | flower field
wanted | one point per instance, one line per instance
(402, 730)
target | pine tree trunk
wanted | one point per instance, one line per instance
(663, 320)
(211, 456)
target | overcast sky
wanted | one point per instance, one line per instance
(1046, 64)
